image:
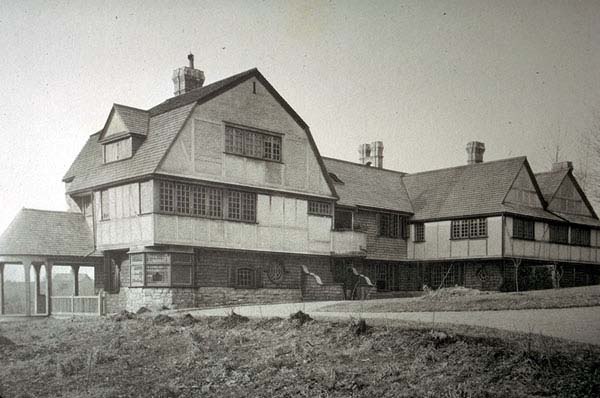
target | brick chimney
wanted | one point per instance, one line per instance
(567, 165)
(371, 154)
(475, 150)
(187, 78)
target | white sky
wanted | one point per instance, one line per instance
(423, 77)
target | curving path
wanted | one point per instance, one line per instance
(580, 324)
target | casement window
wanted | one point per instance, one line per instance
(580, 236)
(197, 200)
(393, 226)
(419, 232)
(319, 208)
(523, 229)
(105, 205)
(161, 269)
(343, 220)
(468, 229)
(117, 150)
(559, 233)
(253, 144)
(245, 278)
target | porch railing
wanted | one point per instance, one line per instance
(78, 305)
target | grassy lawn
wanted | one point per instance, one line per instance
(236, 357)
(462, 299)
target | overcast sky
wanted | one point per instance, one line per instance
(423, 77)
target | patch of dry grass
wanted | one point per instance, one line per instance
(462, 299)
(235, 357)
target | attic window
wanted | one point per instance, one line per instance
(117, 150)
(335, 178)
(254, 144)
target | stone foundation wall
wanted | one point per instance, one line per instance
(156, 298)
(226, 296)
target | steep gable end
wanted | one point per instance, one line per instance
(570, 199)
(524, 190)
(246, 135)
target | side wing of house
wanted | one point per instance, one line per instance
(569, 199)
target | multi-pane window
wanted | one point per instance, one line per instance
(580, 236)
(523, 229)
(343, 220)
(105, 205)
(393, 226)
(319, 208)
(468, 229)
(245, 142)
(559, 233)
(245, 278)
(420, 232)
(197, 200)
(167, 196)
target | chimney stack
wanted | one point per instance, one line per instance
(567, 165)
(475, 150)
(371, 154)
(187, 78)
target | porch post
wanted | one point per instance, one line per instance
(36, 296)
(75, 272)
(49, 265)
(1, 289)
(26, 269)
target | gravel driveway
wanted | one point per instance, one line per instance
(577, 324)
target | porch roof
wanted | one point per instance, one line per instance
(47, 233)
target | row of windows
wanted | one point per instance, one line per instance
(559, 233)
(319, 208)
(253, 144)
(198, 200)
(468, 229)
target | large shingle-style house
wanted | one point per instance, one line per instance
(219, 195)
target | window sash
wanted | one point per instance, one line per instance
(319, 208)
(419, 232)
(559, 233)
(198, 200)
(253, 144)
(393, 226)
(580, 236)
(523, 229)
(472, 228)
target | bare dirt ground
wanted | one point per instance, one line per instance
(157, 356)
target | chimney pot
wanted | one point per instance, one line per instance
(475, 150)
(371, 154)
(566, 165)
(187, 78)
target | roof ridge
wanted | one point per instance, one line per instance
(197, 89)
(49, 211)
(364, 166)
(130, 107)
(466, 165)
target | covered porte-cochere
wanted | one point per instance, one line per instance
(38, 241)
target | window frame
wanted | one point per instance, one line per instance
(393, 226)
(469, 228)
(521, 229)
(253, 143)
(580, 236)
(206, 201)
(419, 232)
(319, 208)
(558, 233)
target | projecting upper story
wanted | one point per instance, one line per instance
(229, 164)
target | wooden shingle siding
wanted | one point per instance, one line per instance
(379, 247)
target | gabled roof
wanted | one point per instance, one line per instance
(47, 233)
(550, 181)
(165, 121)
(135, 120)
(367, 186)
(463, 191)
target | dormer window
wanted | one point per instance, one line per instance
(251, 143)
(117, 150)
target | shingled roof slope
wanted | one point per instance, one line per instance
(89, 170)
(462, 191)
(369, 186)
(47, 233)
